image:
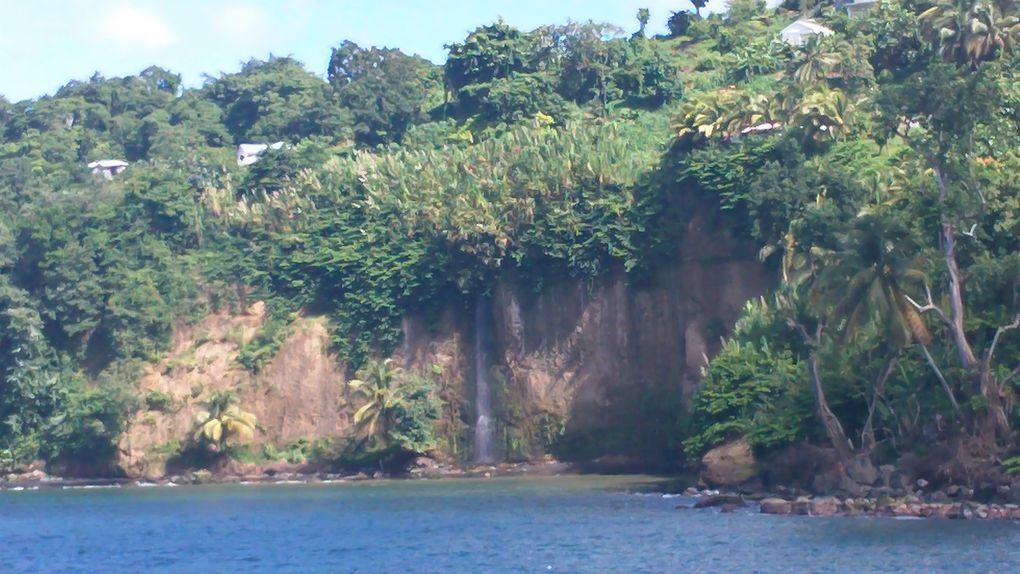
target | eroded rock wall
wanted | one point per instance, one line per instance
(583, 369)
(600, 368)
(298, 394)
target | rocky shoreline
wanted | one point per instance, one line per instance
(954, 502)
(37, 479)
(812, 481)
(917, 505)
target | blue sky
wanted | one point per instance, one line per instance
(45, 43)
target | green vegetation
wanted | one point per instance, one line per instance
(886, 205)
(159, 401)
(397, 410)
(223, 424)
(873, 168)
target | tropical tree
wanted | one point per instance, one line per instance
(938, 111)
(386, 90)
(679, 23)
(799, 271)
(868, 277)
(971, 31)
(815, 60)
(756, 58)
(870, 280)
(823, 114)
(222, 423)
(377, 386)
(643, 15)
(398, 408)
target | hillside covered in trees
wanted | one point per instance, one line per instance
(872, 169)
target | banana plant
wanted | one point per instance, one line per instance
(223, 424)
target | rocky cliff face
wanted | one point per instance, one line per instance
(607, 368)
(298, 394)
(581, 370)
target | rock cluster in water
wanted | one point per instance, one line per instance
(909, 506)
(933, 505)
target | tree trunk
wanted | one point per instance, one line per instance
(941, 378)
(877, 390)
(956, 308)
(994, 422)
(833, 428)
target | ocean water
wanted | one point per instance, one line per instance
(561, 524)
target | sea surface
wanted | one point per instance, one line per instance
(554, 524)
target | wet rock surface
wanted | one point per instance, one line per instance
(953, 503)
(729, 465)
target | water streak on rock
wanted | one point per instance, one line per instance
(484, 428)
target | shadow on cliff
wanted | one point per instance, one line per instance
(639, 431)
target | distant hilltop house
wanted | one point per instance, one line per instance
(108, 167)
(799, 32)
(249, 153)
(761, 128)
(859, 8)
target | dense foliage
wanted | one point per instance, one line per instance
(873, 168)
(880, 189)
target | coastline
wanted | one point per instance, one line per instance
(784, 502)
(290, 474)
(917, 505)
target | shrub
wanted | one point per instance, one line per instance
(158, 401)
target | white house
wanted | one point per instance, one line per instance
(797, 34)
(761, 128)
(248, 153)
(108, 167)
(859, 8)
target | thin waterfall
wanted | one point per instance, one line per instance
(484, 428)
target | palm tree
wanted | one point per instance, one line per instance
(971, 31)
(704, 116)
(223, 423)
(817, 59)
(724, 114)
(823, 113)
(861, 283)
(865, 279)
(378, 386)
(754, 59)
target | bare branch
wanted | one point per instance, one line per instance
(995, 339)
(929, 306)
(941, 378)
(1010, 376)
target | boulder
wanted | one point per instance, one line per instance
(849, 486)
(424, 462)
(801, 506)
(29, 476)
(832, 480)
(776, 506)
(862, 471)
(720, 500)
(796, 467)
(729, 465)
(885, 474)
(825, 506)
